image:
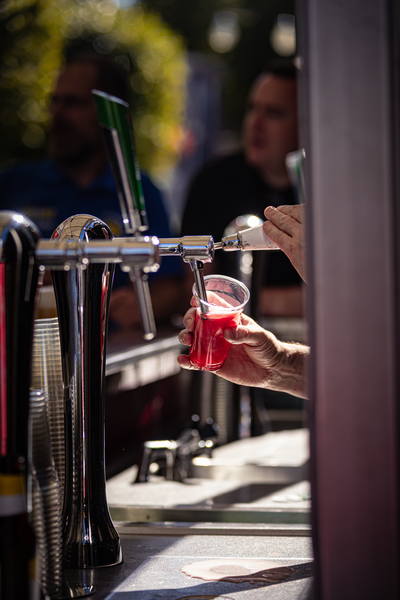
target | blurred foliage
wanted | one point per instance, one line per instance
(31, 52)
(36, 35)
(240, 66)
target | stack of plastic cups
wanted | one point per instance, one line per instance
(47, 376)
(46, 500)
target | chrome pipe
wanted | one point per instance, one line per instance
(71, 253)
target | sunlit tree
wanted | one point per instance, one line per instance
(36, 35)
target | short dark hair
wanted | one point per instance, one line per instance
(111, 77)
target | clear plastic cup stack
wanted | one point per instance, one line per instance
(47, 376)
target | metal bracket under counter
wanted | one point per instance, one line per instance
(145, 362)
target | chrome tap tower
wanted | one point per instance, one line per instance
(83, 297)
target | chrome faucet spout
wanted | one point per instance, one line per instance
(197, 268)
(195, 250)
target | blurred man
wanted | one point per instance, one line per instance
(76, 178)
(246, 182)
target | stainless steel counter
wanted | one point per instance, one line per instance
(258, 480)
(167, 525)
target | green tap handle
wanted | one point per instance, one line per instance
(114, 118)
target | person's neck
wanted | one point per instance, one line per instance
(86, 171)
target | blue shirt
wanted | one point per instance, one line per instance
(47, 196)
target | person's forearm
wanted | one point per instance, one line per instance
(290, 373)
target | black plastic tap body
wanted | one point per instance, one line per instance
(19, 281)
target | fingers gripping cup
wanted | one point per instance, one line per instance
(226, 299)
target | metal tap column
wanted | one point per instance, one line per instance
(83, 296)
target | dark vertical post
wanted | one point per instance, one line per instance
(352, 133)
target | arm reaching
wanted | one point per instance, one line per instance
(286, 227)
(256, 357)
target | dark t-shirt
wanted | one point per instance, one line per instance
(223, 190)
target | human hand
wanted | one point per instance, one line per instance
(286, 227)
(256, 357)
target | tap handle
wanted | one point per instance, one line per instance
(139, 278)
(295, 166)
(115, 120)
(250, 239)
(245, 233)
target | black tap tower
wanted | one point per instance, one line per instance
(19, 278)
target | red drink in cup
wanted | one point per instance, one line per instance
(209, 349)
(226, 298)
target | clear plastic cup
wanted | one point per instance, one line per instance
(226, 299)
